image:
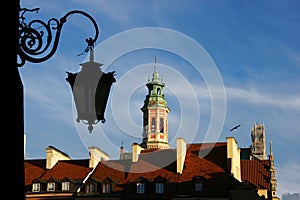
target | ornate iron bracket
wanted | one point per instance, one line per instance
(31, 46)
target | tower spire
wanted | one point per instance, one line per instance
(155, 64)
(272, 171)
(155, 114)
(271, 150)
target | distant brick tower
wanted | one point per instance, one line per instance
(258, 146)
(155, 114)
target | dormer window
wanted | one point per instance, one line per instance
(106, 188)
(198, 183)
(51, 186)
(160, 184)
(36, 187)
(159, 188)
(140, 188)
(65, 186)
(90, 188)
(198, 187)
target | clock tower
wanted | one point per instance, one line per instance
(155, 114)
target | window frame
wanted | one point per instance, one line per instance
(106, 188)
(90, 188)
(36, 187)
(65, 186)
(51, 186)
(159, 188)
(161, 124)
(153, 125)
(198, 183)
(198, 186)
(140, 188)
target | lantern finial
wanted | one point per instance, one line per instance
(92, 55)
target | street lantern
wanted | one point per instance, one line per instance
(90, 88)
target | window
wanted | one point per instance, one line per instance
(36, 187)
(199, 180)
(159, 188)
(51, 186)
(140, 188)
(90, 188)
(65, 186)
(158, 91)
(106, 188)
(198, 187)
(161, 125)
(153, 126)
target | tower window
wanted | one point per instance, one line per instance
(161, 125)
(158, 91)
(153, 125)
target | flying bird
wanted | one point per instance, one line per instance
(235, 127)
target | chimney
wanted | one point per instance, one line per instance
(53, 156)
(96, 155)
(121, 153)
(233, 158)
(181, 152)
(136, 150)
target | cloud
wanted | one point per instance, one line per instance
(262, 98)
(250, 96)
(289, 196)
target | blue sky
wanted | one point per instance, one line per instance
(224, 63)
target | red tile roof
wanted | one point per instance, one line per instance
(115, 170)
(72, 169)
(256, 172)
(34, 169)
(214, 161)
(150, 171)
(162, 162)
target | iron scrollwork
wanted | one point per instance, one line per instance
(35, 37)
